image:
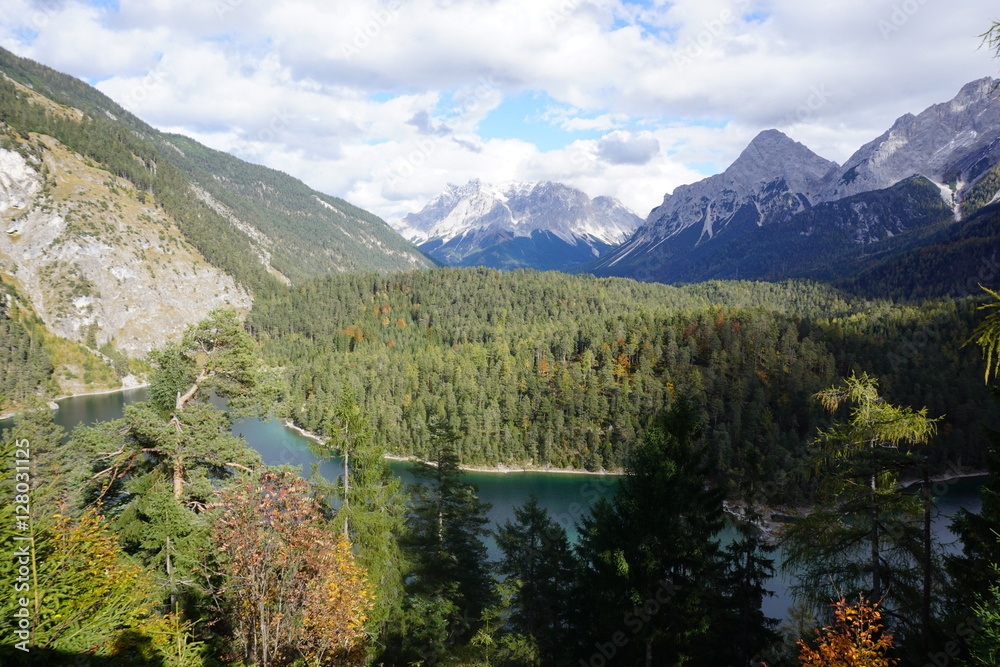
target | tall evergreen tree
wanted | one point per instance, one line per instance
(651, 556)
(449, 584)
(864, 535)
(156, 468)
(971, 570)
(537, 555)
(372, 508)
(749, 567)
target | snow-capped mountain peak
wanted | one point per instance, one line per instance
(520, 208)
(467, 219)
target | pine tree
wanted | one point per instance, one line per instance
(156, 469)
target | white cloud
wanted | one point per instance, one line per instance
(381, 101)
(628, 148)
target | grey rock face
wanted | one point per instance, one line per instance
(85, 251)
(950, 144)
(478, 215)
(773, 176)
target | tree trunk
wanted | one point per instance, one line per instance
(178, 478)
(876, 574)
(925, 609)
(347, 485)
(182, 399)
(170, 577)
(262, 616)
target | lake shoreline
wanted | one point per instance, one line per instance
(53, 403)
(946, 477)
(498, 470)
(102, 392)
(772, 518)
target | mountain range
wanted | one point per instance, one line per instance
(545, 226)
(116, 233)
(781, 211)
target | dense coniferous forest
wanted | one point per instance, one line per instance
(33, 360)
(549, 370)
(25, 367)
(161, 539)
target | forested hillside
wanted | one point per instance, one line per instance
(545, 369)
(829, 241)
(255, 222)
(35, 364)
(953, 261)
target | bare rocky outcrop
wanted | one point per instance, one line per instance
(98, 260)
(951, 144)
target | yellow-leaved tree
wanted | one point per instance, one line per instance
(82, 590)
(854, 640)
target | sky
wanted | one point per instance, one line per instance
(385, 102)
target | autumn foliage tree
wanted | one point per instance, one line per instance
(82, 590)
(854, 640)
(290, 586)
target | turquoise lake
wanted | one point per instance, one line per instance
(567, 497)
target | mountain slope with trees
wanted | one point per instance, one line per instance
(550, 370)
(137, 227)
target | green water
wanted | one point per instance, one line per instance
(567, 497)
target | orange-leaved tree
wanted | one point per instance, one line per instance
(854, 640)
(290, 585)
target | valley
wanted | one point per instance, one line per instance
(790, 336)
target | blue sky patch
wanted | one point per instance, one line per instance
(25, 35)
(525, 116)
(706, 168)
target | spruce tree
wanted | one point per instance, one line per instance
(749, 567)
(651, 556)
(537, 556)
(971, 570)
(449, 584)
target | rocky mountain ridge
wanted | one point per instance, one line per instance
(93, 259)
(951, 144)
(118, 233)
(539, 225)
(716, 222)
